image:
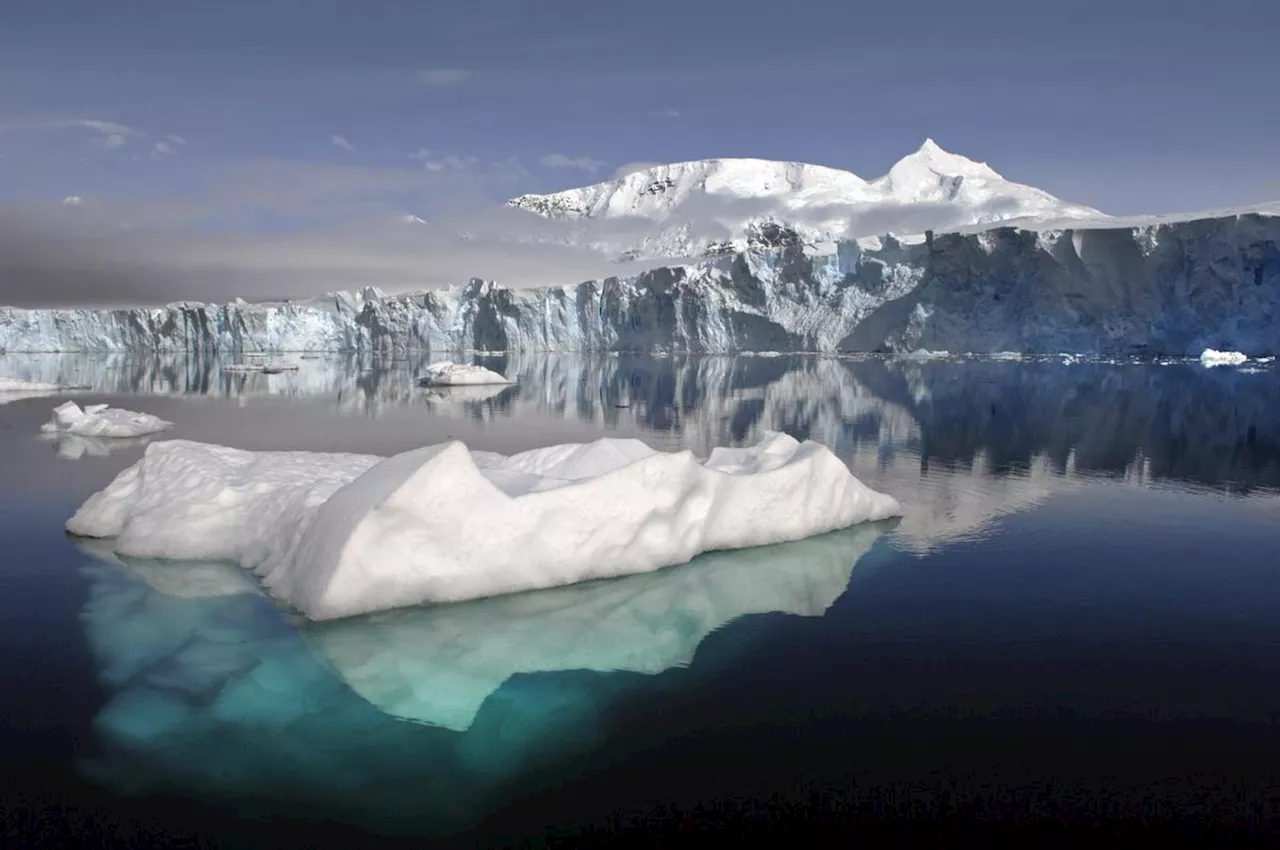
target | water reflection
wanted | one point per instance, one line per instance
(1177, 421)
(198, 659)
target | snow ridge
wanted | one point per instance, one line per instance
(713, 205)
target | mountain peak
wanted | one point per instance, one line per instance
(940, 189)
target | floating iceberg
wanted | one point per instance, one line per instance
(449, 374)
(339, 535)
(99, 420)
(1211, 358)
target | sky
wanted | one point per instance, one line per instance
(286, 117)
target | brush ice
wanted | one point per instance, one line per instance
(99, 420)
(1221, 358)
(338, 535)
(449, 374)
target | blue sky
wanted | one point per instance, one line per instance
(1125, 105)
(260, 116)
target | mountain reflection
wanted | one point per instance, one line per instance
(1179, 422)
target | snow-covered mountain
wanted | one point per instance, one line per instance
(714, 206)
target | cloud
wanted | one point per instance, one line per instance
(110, 134)
(443, 76)
(441, 161)
(341, 142)
(559, 160)
(632, 167)
(667, 113)
(72, 201)
(165, 147)
(175, 138)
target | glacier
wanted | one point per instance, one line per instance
(1172, 286)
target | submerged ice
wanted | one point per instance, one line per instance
(339, 535)
(213, 692)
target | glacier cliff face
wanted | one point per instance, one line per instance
(1174, 287)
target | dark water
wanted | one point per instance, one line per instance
(1073, 627)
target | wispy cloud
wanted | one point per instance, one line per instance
(110, 134)
(667, 113)
(341, 142)
(441, 161)
(72, 201)
(164, 147)
(443, 76)
(583, 163)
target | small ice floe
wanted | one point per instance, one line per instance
(449, 374)
(99, 420)
(926, 354)
(1211, 358)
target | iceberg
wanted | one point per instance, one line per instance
(99, 420)
(1211, 358)
(449, 374)
(339, 535)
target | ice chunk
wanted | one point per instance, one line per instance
(99, 420)
(449, 374)
(439, 664)
(338, 535)
(1211, 358)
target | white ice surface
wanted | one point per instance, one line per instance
(1212, 358)
(449, 374)
(338, 535)
(98, 420)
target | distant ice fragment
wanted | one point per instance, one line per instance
(1211, 358)
(99, 420)
(14, 389)
(339, 535)
(449, 374)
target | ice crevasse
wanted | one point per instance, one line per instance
(336, 535)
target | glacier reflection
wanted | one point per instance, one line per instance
(217, 693)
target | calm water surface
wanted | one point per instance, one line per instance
(1075, 620)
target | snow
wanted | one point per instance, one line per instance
(99, 420)
(930, 189)
(339, 535)
(449, 374)
(1211, 358)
